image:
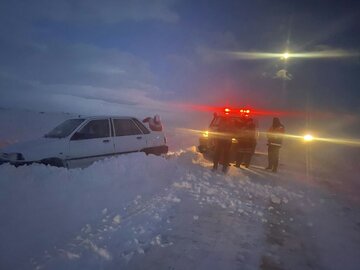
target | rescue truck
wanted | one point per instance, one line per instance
(238, 119)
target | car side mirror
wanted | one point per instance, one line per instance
(78, 136)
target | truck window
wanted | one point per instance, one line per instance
(215, 122)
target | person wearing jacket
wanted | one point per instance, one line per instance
(275, 138)
(223, 144)
(246, 143)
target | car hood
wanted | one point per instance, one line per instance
(39, 148)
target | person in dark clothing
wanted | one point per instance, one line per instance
(223, 144)
(251, 141)
(241, 142)
(275, 137)
(222, 148)
(246, 143)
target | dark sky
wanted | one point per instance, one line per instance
(94, 55)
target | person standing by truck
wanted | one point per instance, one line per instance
(223, 137)
(246, 137)
(275, 138)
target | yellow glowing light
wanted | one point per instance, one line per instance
(285, 55)
(233, 140)
(308, 138)
(344, 141)
(338, 53)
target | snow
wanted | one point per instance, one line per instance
(136, 211)
(275, 199)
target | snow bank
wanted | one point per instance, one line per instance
(43, 205)
(67, 212)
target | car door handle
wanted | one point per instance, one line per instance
(138, 137)
(106, 141)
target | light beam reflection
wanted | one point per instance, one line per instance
(343, 141)
(310, 55)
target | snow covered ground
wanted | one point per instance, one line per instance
(148, 212)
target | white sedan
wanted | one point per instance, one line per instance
(79, 142)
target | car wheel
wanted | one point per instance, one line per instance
(55, 162)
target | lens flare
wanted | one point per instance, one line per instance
(285, 55)
(241, 109)
(308, 138)
(339, 53)
(343, 141)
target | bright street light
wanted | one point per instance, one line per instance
(308, 137)
(285, 55)
(339, 53)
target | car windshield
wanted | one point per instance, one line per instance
(234, 120)
(64, 129)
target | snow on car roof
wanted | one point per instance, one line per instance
(105, 116)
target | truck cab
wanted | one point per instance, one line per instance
(238, 119)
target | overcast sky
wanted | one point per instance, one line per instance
(89, 55)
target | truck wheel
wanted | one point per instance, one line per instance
(55, 162)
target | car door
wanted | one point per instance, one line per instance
(92, 142)
(128, 137)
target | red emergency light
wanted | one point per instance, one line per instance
(244, 112)
(227, 110)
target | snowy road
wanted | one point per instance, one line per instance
(170, 214)
(147, 212)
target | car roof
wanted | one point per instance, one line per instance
(104, 116)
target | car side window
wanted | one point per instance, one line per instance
(93, 130)
(125, 127)
(141, 126)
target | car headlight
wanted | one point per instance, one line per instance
(12, 156)
(206, 134)
(233, 140)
